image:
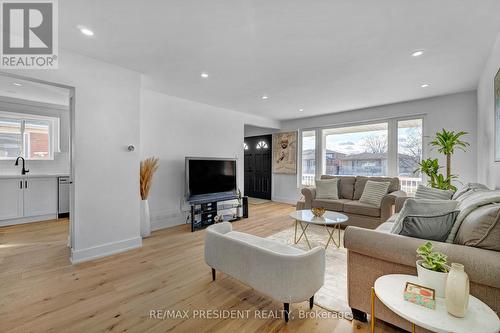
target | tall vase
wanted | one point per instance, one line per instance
(457, 291)
(145, 219)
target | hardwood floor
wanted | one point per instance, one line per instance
(40, 291)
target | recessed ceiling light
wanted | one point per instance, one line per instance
(425, 85)
(204, 75)
(17, 84)
(417, 53)
(86, 31)
(265, 97)
(300, 110)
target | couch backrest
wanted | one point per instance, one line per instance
(359, 185)
(346, 185)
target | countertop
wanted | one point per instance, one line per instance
(33, 175)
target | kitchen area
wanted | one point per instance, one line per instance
(35, 152)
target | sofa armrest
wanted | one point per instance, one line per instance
(481, 265)
(309, 194)
(388, 203)
(400, 201)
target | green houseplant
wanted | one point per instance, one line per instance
(432, 269)
(445, 142)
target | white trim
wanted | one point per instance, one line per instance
(96, 252)
(30, 219)
(290, 201)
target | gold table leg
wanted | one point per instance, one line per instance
(372, 319)
(331, 235)
(303, 234)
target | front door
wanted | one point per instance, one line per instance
(258, 166)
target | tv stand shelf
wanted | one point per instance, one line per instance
(207, 213)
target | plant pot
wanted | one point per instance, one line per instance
(145, 219)
(432, 279)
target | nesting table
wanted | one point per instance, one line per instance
(389, 290)
(304, 218)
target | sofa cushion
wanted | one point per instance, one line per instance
(265, 243)
(360, 183)
(425, 192)
(422, 207)
(374, 192)
(333, 205)
(356, 207)
(346, 185)
(481, 228)
(434, 228)
(327, 189)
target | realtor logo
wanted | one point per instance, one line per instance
(29, 34)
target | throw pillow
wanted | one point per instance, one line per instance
(469, 187)
(422, 207)
(435, 228)
(481, 228)
(374, 192)
(327, 189)
(424, 192)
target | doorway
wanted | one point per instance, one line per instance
(257, 166)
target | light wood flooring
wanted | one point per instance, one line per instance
(40, 291)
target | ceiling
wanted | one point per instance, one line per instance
(33, 91)
(319, 56)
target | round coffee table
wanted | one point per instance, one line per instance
(389, 290)
(304, 218)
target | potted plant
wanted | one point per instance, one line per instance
(432, 269)
(148, 168)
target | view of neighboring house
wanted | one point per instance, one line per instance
(365, 164)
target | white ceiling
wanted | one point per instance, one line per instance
(33, 91)
(322, 56)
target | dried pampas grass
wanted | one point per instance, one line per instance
(148, 168)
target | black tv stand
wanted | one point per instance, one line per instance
(204, 213)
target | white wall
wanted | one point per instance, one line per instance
(173, 128)
(454, 112)
(106, 176)
(488, 169)
(61, 162)
(257, 131)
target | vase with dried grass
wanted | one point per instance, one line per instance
(148, 168)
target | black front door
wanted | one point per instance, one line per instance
(258, 166)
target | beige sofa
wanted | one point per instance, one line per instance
(350, 190)
(373, 253)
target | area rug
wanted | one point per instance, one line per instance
(257, 201)
(333, 295)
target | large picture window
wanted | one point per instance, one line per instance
(384, 148)
(31, 137)
(356, 150)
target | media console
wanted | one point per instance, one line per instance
(205, 213)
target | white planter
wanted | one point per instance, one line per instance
(457, 291)
(145, 219)
(432, 279)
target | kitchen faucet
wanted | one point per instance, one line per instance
(23, 172)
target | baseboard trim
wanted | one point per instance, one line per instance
(290, 201)
(166, 219)
(23, 220)
(104, 250)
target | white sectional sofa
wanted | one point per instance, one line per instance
(280, 271)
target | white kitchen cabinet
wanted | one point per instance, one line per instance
(40, 196)
(11, 199)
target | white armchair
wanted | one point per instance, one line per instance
(280, 271)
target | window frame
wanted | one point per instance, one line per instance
(54, 134)
(392, 141)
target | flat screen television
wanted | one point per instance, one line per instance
(210, 179)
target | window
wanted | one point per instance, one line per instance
(356, 150)
(32, 137)
(409, 153)
(262, 145)
(245, 146)
(308, 158)
(392, 147)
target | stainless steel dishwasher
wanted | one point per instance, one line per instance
(63, 197)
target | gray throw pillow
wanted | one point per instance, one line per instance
(435, 228)
(374, 192)
(424, 192)
(422, 207)
(327, 189)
